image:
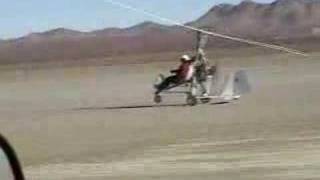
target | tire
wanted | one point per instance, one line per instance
(205, 101)
(191, 100)
(157, 99)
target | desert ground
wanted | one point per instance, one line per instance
(99, 122)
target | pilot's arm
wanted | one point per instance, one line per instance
(174, 71)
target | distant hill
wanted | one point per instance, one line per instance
(284, 20)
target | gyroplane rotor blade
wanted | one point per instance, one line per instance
(210, 33)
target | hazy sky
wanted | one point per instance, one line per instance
(20, 17)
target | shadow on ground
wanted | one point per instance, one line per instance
(138, 107)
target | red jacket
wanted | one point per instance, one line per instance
(184, 71)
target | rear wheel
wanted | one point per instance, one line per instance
(191, 100)
(205, 100)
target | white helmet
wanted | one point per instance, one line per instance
(186, 58)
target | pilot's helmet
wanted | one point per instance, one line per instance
(185, 58)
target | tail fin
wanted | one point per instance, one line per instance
(228, 86)
(241, 83)
(236, 84)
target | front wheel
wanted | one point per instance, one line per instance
(157, 99)
(191, 100)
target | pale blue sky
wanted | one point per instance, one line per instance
(20, 17)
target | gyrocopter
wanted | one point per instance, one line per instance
(204, 82)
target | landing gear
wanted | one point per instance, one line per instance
(191, 100)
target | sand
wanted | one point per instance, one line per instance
(99, 122)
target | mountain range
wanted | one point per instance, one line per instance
(282, 20)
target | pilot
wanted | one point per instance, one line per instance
(183, 74)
